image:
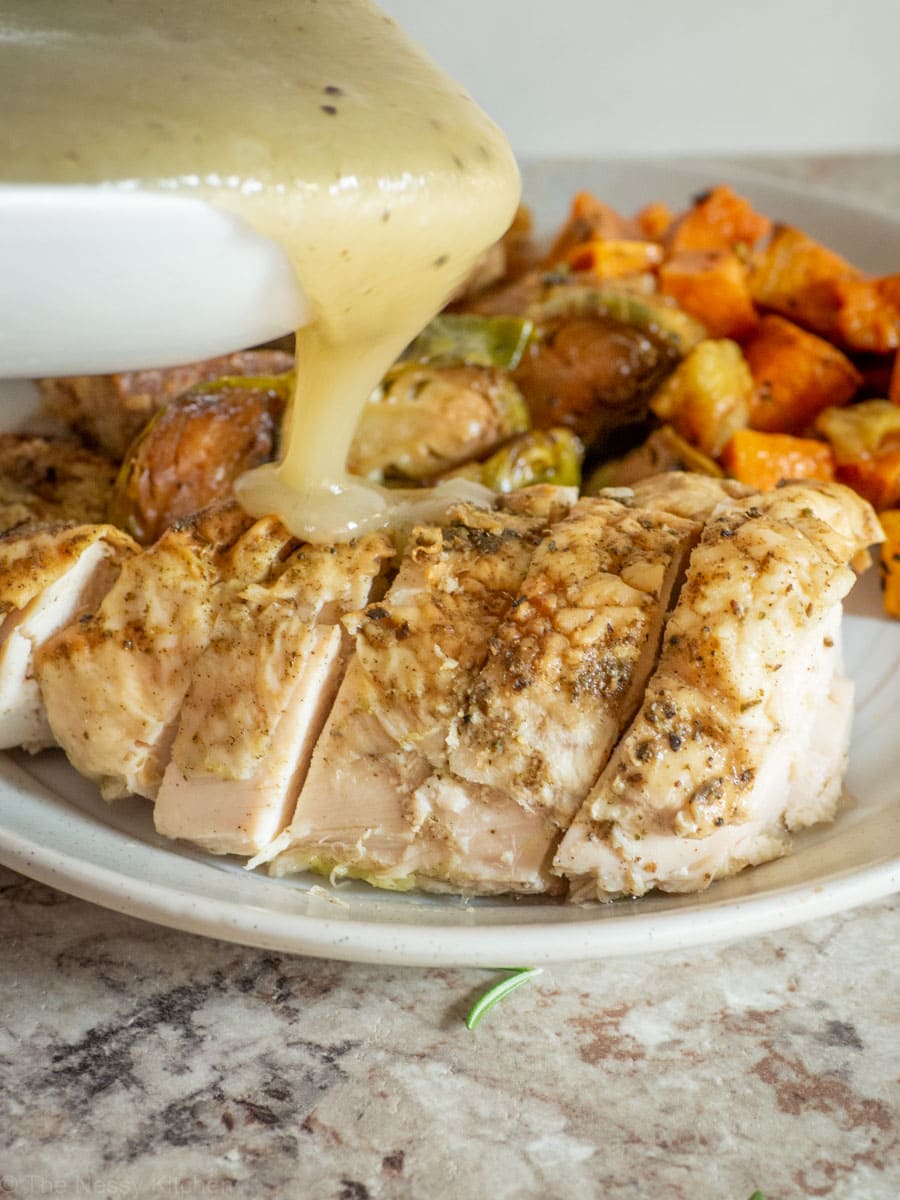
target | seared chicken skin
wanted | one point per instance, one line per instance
(711, 774)
(50, 577)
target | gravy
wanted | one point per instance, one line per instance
(318, 123)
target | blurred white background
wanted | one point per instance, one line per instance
(573, 77)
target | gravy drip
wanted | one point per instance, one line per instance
(323, 127)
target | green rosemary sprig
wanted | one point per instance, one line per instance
(492, 996)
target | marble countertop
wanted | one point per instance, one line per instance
(137, 1061)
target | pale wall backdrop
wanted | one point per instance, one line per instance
(574, 77)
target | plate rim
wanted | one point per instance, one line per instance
(432, 944)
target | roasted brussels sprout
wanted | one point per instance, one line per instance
(656, 316)
(193, 450)
(424, 420)
(457, 339)
(110, 411)
(541, 456)
(592, 375)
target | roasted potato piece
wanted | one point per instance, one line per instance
(866, 442)
(193, 450)
(109, 411)
(424, 420)
(708, 395)
(663, 451)
(50, 479)
(861, 430)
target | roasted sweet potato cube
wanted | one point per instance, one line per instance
(866, 312)
(588, 218)
(762, 460)
(797, 374)
(794, 276)
(890, 561)
(707, 397)
(654, 220)
(615, 258)
(719, 220)
(712, 286)
(894, 385)
(877, 479)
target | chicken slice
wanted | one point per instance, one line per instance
(687, 494)
(568, 664)
(113, 684)
(417, 653)
(50, 480)
(259, 694)
(50, 577)
(240, 815)
(713, 769)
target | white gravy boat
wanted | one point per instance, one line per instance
(99, 279)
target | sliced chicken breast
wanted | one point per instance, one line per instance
(259, 694)
(51, 480)
(417, 653)
(712, 770)
(687, 494)
(113, 684)
(568, 663)
(241, 815)
(50, 578)
(564, 674)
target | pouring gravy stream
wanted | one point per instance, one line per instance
(323, 127)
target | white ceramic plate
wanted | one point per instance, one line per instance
(54, 827)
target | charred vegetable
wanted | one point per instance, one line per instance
(424, 420)
(193, 450)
